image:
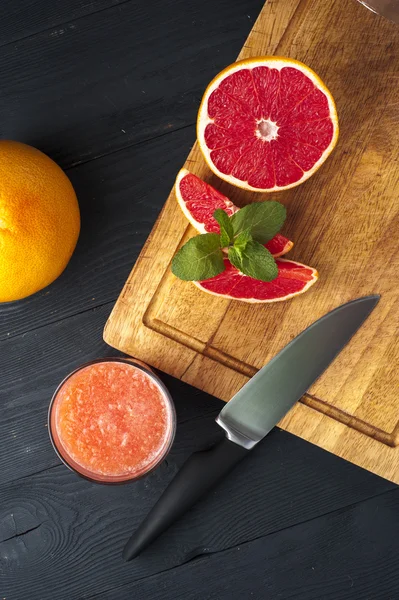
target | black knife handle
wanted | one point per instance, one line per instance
(200, 473)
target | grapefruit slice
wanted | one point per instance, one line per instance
(293, 279)
(266, 124)
(199, 200)
(279, 245)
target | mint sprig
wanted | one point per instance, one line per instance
(243, 235)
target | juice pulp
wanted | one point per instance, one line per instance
(111, 420)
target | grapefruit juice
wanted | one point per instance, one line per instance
(112, 420)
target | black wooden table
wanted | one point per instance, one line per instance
(110, 89)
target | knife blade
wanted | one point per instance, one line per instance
(253, 412)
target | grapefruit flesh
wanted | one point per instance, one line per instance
(279, 245)
(199, 200)
(266, 124)
(293, 279)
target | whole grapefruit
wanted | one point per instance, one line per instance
(39, 220)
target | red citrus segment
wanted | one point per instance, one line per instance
(315, 134)
(264, 176)
(294, 89)
(240, 88)
(251, 161)
(267, 83)
(312, 108)
(286, 169)
(199, 200)
(267, 124)
(304, 155)
(222, 110)
(293, 279)
(226, 158)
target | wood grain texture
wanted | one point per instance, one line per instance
(21, 19)
(344, 222)
(110, 79)
(289, 568)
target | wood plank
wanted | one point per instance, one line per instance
(346, 555)
(93, 88)
(61, 536)
(343, 221)
(21, 19)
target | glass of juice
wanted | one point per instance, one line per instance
(112, 420)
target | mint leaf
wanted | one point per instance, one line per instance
(255, 260)
(224, 221)
(226, 227)
(200, 258)
(242, 239)
(262, 219)
(224, 238)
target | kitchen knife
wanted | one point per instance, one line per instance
(252, 413)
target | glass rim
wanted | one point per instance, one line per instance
(119, 479)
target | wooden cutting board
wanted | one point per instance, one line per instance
(344, 222)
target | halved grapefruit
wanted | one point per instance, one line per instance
(199, 200)
(293, 279)
(267, 124)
